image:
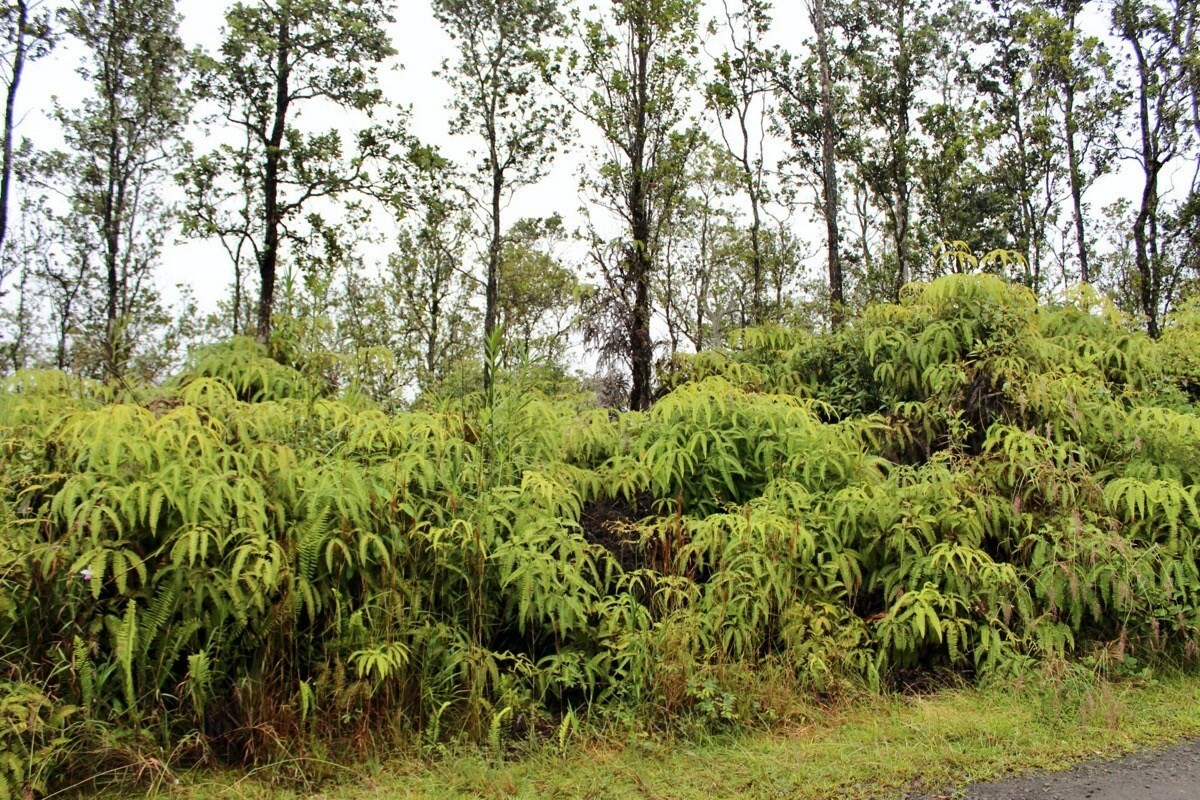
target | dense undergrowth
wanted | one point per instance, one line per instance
(241, 565)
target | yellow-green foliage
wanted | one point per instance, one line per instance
(965, 480)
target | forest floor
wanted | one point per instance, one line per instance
(954, 743)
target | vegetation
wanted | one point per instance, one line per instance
(242, 564)
(843, 364)
(869, 748)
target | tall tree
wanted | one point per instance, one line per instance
(425, 280)
(829, 181)
(496, 98)
(278, 57)
(632, 77)
(538, 291)
(120, 141)
(27, 37)
(701, 287)
(740, 94)
(1025, 165)
(1075, 71)
(1155, 33)
(895, 50)
(812, 116)
(889, 62)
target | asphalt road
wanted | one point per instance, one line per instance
(1169, 774)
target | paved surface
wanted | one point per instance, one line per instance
(1169, 774)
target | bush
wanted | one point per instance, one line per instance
(965, 481)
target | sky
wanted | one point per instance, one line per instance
(409, 81)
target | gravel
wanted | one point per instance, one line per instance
(1164, 774)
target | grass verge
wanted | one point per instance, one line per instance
(865, 748)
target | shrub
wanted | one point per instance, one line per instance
(965, 481)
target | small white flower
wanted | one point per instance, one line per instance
(86, 574)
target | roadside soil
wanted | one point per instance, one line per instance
(1171, 773)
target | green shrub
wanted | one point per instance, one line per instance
(965, 481)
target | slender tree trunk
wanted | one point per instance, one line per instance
(431, 344)
(1074, 169)
(837, 297)
(237, 296)
(900, 166)
(1077, 199)
(756, 259)
(113, 200)
(17, 354)
(641, 348)
(1145, 251)
(702, 289)
(10, 103)
(1028, 237)
(674, 326)
(753, 187)
(1191, 20)
(493, 266)
(268, 259)
(1145, 227)
(66, 320)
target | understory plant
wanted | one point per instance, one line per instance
(241, 563)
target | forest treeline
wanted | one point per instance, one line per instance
(1053, 143)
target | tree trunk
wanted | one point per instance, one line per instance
(753, 187)
(901, 168)
(1144, 248)
(1145, 225)
(641, 347)
(756, 260)
(268, 259)
(837, 298)
(1071, 131)
(1193, 65)
(113, 201)
(493, 266)
(18, 66)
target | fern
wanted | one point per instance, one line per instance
(965, 480)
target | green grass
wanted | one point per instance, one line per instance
(870, 747)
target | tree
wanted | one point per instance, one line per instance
(701, 287)
(1155, 33)
(1076, 72)
(425, 283)
(889, 62)
(901, 60)
(411, 325)
(496, 99)
(829, 184)
(538, 293)
(1025, 166)
(30, 250)
(120, 141)
(27, 37)
(278, 57)
(812, 112)
(740, 95)
(956, 199)
(631, 77)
